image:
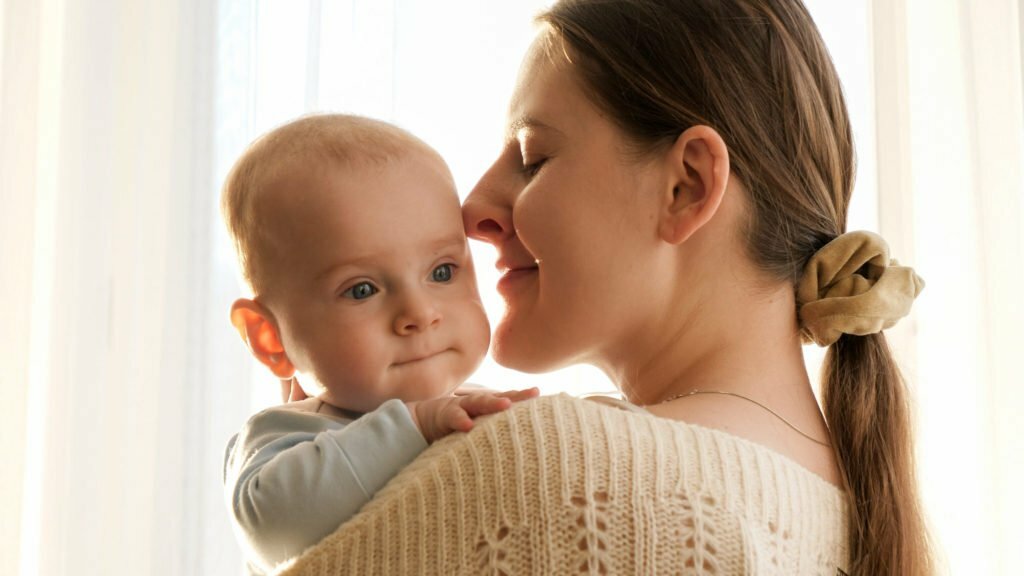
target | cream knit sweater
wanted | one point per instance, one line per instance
(560, 485)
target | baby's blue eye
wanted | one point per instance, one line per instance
(442, 273)
(360, 291)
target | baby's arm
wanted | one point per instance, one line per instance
(293, 477)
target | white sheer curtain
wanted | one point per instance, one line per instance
(106, 180)
(122, 379)
(950, 84)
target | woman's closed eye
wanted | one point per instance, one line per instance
(360, 291)
(531, 168)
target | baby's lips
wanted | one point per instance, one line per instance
(419, 357)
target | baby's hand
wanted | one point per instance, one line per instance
(439, 417)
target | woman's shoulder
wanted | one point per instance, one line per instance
(570, 436)
(699, 439)
(560, 481)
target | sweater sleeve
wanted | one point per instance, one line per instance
(293, 477)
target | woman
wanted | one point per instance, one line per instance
(670, 205)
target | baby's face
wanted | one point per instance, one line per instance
(374, 289)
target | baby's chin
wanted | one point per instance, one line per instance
(436, 377)
(426, 390)
(412, 383)
(413, 392)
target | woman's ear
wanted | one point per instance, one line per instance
(698, 165)
(256, 326)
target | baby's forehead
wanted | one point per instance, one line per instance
(369, 211)
(307, 194)
(304, 178)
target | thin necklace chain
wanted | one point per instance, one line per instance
(742, 397)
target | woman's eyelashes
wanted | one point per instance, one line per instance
(530, 162)
(530, 169)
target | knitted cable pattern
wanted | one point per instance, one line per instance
(560, 485)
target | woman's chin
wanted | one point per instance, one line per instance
(524, 354)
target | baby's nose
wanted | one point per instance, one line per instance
(418, 313)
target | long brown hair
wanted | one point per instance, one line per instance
(758, 72)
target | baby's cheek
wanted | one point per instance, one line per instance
(357, 360)
(478, 334)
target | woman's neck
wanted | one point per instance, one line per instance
(748, 346)
(732, 340)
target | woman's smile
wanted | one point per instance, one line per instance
(513, 278)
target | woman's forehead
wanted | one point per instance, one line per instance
(547, 92)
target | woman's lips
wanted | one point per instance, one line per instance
(514, 278)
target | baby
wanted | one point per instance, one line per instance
(349, 233)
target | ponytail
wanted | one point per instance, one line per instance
(865, 401)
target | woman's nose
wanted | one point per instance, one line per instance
(417, 313)
(486, 215)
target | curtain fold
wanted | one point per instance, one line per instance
(17, 161)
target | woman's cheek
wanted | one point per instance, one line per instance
(536, 219)
(481, 339)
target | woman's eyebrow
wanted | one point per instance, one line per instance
(527, 123)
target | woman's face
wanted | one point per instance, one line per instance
(573, 219)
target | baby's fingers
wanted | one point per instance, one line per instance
(520, 395)
(480, 404)
(457, 418)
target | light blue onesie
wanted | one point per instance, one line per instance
(298, 471)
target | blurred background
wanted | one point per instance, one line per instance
(122, 378)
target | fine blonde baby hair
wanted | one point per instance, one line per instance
(306, 143)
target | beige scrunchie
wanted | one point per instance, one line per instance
(834, 298)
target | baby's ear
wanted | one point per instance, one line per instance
(256, 326)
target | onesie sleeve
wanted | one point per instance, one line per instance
(293, 477)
